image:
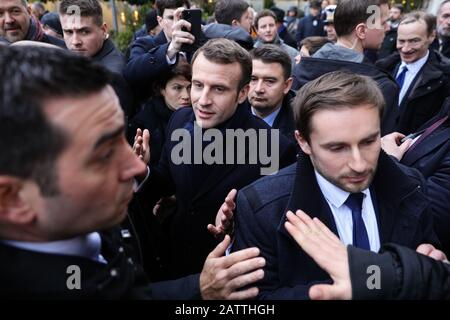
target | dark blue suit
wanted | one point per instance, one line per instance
(400, 203)
(432, 158)
(147, 61)
(200, 189)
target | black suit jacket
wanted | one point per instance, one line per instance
(35, 275)
(432, 158)
(400, 203)
(113, 60)
(200, 189)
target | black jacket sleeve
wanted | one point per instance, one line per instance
(404, 274)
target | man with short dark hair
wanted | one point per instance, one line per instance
(17, 23)
(221, 72)
(267, 31)
(233, 22)
(422, 74)
(66, 177)
(357, 29)
(270, 94)
(341, 177)
(87, 35)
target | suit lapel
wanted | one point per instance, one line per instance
(307, 196)
(429, 144)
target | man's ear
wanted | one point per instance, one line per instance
(303, 143)
(235, 23)
(287, 85)
(14, 209)
(361, 31)
(243, 93)
(104, 28)
(159, 19)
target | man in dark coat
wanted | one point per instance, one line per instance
(341, 177)
(22, 25)
(312, 24)
(200, 179)
(88, 36)
(348, 54)
(148, 55)
(423, 75)
(270, 93)
(66, 177)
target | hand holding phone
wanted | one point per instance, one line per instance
(194, 17)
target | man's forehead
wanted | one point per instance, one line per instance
(416, 28)
(445, 9)
(77, 22)
(6, 4)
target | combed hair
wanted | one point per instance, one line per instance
(334, 91)
(29, 143)
(87, 8)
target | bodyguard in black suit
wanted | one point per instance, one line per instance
(270, 94)
(339, 133)
(66, 177)
(221, 71)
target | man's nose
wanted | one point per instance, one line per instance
(357, 162)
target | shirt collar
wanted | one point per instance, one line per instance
(270, 119)
(416, 65)
(87, 246)
(333, 194)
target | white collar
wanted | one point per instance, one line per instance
(87, 246)
(416, 65)
(335, 195)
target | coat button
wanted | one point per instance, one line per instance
(114, 273)
(152, 60)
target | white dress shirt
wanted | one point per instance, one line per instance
(342, 215)
(270, 119)
(413, 70)
(87, 246)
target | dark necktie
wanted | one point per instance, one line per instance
(427, 132)
(401, 77)
(360, 237)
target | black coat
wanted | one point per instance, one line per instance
(29, 274)
(285, 118)
(312, 68)
(405, 274)
(400, 204)
(426, 94)
(200, 189)
(310, 26)
(432, 158)
(113, 60)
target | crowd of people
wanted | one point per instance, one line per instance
(276, 160)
